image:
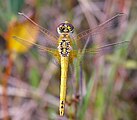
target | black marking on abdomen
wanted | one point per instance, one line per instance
(64, 48)
(62, 106)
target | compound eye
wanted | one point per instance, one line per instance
(65, 28)
(60, 28)
(70, 27)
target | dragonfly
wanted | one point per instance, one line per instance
(64, 51)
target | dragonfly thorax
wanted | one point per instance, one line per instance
(65, 27)
(64, 48)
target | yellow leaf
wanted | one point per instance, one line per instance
(25, 30)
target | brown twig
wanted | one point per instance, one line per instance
(5, 82)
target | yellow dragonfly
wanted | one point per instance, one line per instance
(64, 51)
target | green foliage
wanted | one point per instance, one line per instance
(34, 77)
(14, 6)
(9, 10)
(82, 108)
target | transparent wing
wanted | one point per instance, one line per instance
(105, 26)
(106, 48)
(98, 49)
(49, 37)
(42, 49)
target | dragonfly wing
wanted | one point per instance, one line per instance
(105, 48)
(48, 36)
(95, 50)
(42, 49)
(105, 26)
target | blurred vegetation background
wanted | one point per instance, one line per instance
(100, 87)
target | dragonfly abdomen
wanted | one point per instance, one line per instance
(63, 85)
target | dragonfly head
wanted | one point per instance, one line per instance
(65, 27)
